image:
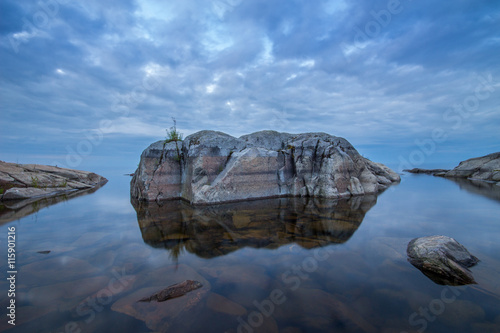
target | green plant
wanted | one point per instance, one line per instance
(64, 183)
(1, 191)
(173, 134)
(34, 182)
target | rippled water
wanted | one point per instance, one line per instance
(280, 265)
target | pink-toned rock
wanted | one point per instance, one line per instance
(213, 167)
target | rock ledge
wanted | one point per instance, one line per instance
(33, 181)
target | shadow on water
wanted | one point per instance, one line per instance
(15, 209)
(216, 230)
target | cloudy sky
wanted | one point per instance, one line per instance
(87, 83)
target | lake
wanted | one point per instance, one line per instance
(279, 265)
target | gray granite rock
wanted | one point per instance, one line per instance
(33, 181)
(213, 167)
(486, 168)
(442, 259)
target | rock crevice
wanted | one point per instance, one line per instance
(214, 167)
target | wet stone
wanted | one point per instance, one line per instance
(176, 290)
(161, 316)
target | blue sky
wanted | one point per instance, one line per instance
(91, 83)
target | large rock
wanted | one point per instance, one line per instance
(213, 167)
(442, 259)
(486, 168)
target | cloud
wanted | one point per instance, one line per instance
(363, 70)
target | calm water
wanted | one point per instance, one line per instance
(284, 265)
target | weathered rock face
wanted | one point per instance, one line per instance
(485, 168)
(442, 259)
(213, 167)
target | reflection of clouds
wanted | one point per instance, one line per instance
(114, 204)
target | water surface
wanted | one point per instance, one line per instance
(280, 265)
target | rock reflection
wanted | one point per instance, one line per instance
(486, 189)
(211, 231)
(15, 209)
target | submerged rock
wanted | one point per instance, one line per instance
(213, 167)
(171, 316)
(173, 291)
(442, 259)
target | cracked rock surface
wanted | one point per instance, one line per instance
(213, 167)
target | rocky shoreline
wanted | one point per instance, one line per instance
(484, 168)
(31, 181)
(23, 185)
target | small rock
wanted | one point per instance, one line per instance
(173, 291)
(442, 259)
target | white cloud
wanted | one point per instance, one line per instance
(134, 127)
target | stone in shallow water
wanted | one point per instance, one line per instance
(442, 259)
(161, 316)
(173, 291)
